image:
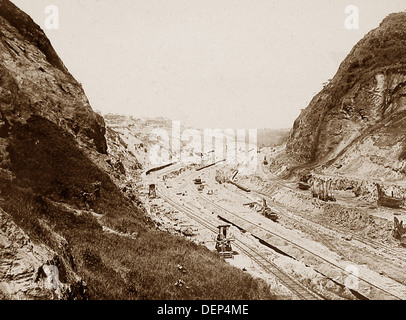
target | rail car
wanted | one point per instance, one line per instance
(159, 168)
(205, 167)
(263, 209)
(304, 186)
(239, 186)
(388, 201)
(223, 242)
(268, 213)
(209, 165)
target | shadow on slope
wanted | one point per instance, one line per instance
(45, 199)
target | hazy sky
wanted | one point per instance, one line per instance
(211, 63)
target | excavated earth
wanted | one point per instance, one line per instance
(353, 233)
(352, 133)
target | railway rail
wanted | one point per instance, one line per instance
(300, 291)
(372, 243)
(387, 293)
(300, 247)
(396, 253)
(307, 223)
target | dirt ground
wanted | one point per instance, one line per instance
(329, 247)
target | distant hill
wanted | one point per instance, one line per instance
(355, 125)
(67, 230)
(272, 137)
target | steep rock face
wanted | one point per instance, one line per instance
(36, 90)
(63, 220)
(358, 115)
(34, 81)
(30, 31)
(33, 271)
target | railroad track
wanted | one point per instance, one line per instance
(294, 286)
(374, 244)
(368, 242)
(299, 247)
(300, 291)
(283, 210)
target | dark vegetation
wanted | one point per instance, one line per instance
(382, 49)
(50, 170)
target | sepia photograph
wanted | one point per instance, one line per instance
(221, 152)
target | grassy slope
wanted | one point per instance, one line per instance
(50, 168)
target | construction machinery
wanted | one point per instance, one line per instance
(267, 211)
(250, 204)
(223, 242)
(239, 186)
(220, 177)
(263, 209)
(399, 231)
(304, 186)
(323, 189)
(152, 191)
(388, 201)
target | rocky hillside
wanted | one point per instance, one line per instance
(67, 229)
(41, 105)
(355, 124)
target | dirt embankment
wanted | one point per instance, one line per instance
(366, 189)
(355, 210)
(359, 221)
